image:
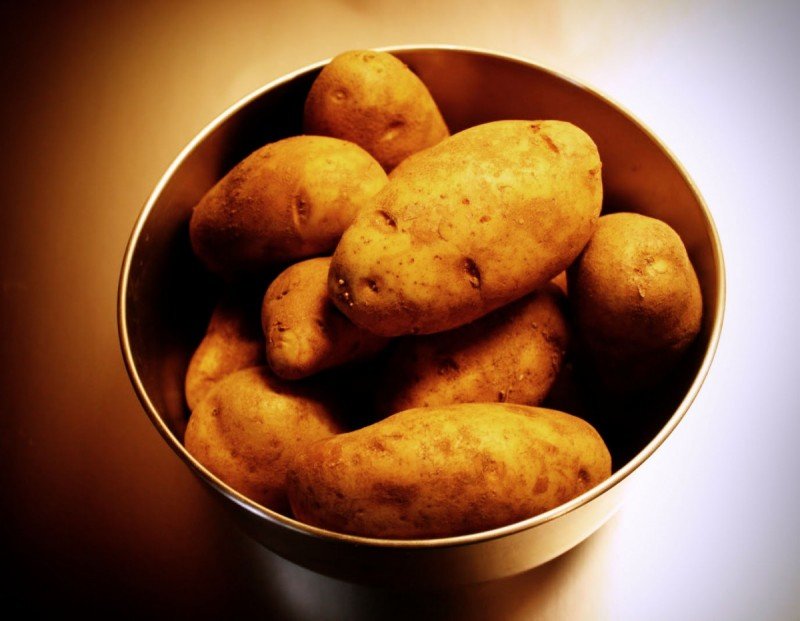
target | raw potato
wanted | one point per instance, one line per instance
(636, 300)
(469, 225)
(250, 425)
(439, 472)
(511, 355)
(305, 332)
(288, 200)
(233, 341)
(373, 99)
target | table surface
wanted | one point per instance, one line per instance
(98, 513)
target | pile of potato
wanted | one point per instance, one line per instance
(436, 295)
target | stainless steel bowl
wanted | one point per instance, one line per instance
(165, 298)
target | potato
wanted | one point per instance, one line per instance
(233, 341)
(439, 472)
(305, 332)
(373, 99)
(512, 354)
(248, 427)
(469, 225)
(288, 200)
(636, 300)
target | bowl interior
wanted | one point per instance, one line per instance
(166, 297)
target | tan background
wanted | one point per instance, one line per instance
(99, 97)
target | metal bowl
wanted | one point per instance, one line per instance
(165, 299)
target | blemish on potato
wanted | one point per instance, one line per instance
(339, 95)
(541, 485)
(444, 446)
(301, 210)
(550, 144)
(485, 219)
(377, 445)
(387, 218)
(657, 266)
(393, 130)
(489, 464)
(371, 285)
(395, 494)
(473, 273)
(343, 294)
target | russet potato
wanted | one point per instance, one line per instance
(636, 300)
(233, 341)
(513, 355)
(288, 200)
(471, 224)
(439, 472)
(248, 427)
(375, 100)
(305, 332)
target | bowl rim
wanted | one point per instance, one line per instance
(299, 527)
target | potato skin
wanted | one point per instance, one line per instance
(375, 100)
(471, 224)
(233, 341)
(510, 355)
(248, 427)
(636, 300)
(288, 200)
(305, 332)
(439, 472)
